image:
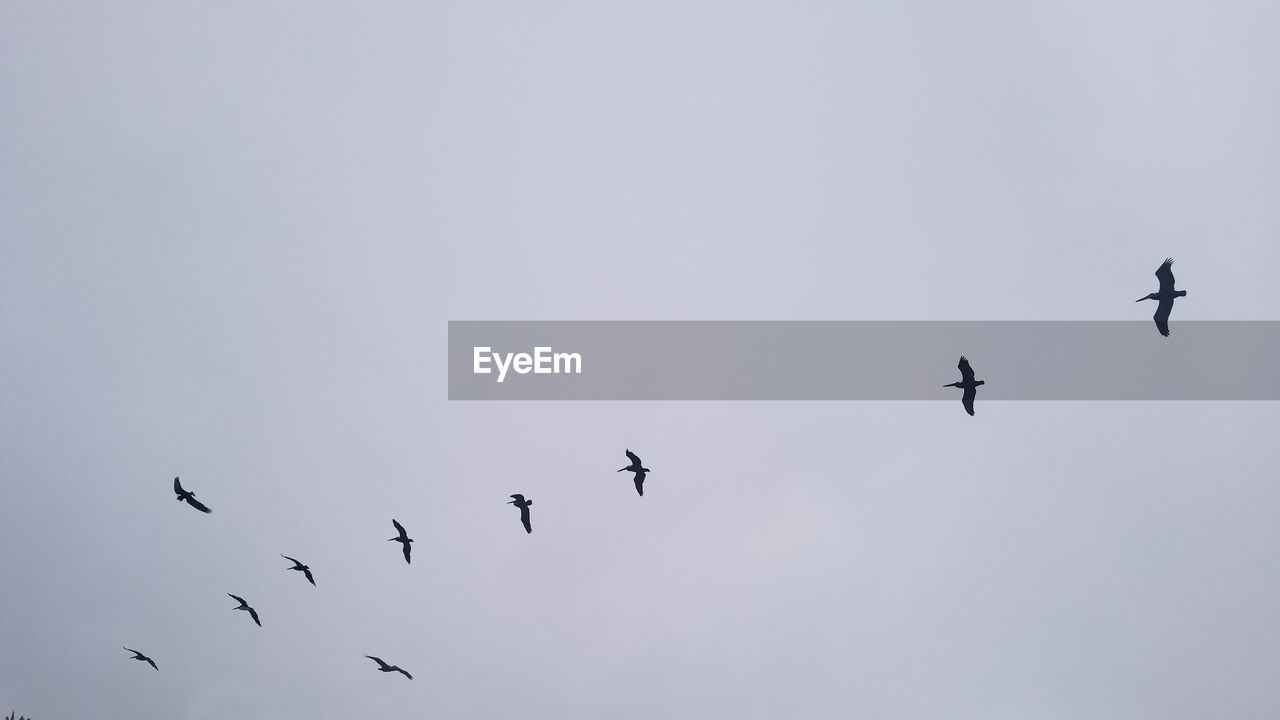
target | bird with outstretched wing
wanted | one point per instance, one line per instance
(245, 606)
(189, 497)
(304, 569)
(639, 469)
(139, 656)
(1164, 297)
(519, 501)
(403, 538)
(967, 383)
(384, 667)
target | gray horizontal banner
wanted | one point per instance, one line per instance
(877, 360)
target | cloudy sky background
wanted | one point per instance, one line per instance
(231, 237)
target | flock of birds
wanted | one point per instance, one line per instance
(968, 383)
(402, 537)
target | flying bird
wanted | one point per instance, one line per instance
(1164, 297)
(519, 501)
(389, 668)
(190, 497)
(401, 538)
(297, 565)
(638, 468)
(139, 656)
(245, 606)
(967, 382)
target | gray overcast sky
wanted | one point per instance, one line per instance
(231, 236)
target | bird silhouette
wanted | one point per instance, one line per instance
(245, 606)
(139, 656)
(389, 668)
(519, 501)
(190, 497)
(638, 468)
(1164, 298)
(967, 382)
(401, 538)
(297, 565)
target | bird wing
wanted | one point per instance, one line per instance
(239, 600)
(150, 662)
(402, 671)
(518, 497)
(1162, 315)
(966, 370)
(399, 527)
(378, 660)
(967, 399)
(640, 483)
(292, 560)
(524, 519)
(254, 614)
(407, 549)
(632, 457)
(1164, 274)
(307, 571)
(135, 652)
(177, 487)
(197, 504)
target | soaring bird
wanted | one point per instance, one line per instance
(190, 497)
(245, 606)
(389, 668)
(638, 468)
(401, 538)
(967, 382)
(139, 656)
(519, 501)
(297, 565)
(1164, 297)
